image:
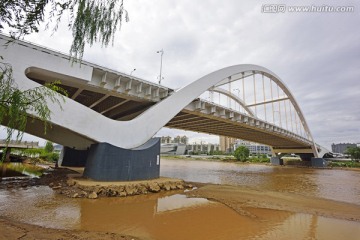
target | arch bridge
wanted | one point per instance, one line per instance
(244, 101)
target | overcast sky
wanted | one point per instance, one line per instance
(317, 55)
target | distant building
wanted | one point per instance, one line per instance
(254, 148)
(179, 145)
(341, 147)
(227, 144)
(181, 139)
(58, 148)
(166, 139)
(202, 148)
(177, 139)
(174, 146)
(173, 149)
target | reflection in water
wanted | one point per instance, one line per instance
(338, 185)
(178, 201)
(152, 218)
(160, 216)
(9, 170)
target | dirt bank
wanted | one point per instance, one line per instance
(243, 199)
(15, 230)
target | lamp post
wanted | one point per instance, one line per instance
(132, 71)
(161, 56)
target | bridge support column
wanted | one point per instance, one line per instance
(318, 162)
(106, 162)
(74, 158)
(276, 161)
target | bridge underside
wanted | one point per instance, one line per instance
(199, 122)
(123, 108)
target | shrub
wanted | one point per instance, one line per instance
(50, 157)
(354, 152)
(49, 147)
(242, 153)
(260, 159)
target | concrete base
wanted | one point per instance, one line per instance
(74, 158)
(318, 162)
(106, 162)
(276, 161)
(306, 156)
(125, 188)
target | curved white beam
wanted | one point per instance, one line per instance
(178, 100)
(235, 98)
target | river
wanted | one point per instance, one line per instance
(173, 216)
(336, 184)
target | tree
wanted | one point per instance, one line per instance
(354, 152)
(49, 147)
(89, 20)
(242, 153)
(15, 103)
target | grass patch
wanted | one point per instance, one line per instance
(348, 164)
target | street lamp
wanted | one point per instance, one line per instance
(132, 71)
(162, 53)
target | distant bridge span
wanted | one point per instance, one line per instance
(108, 106)
(18, 144)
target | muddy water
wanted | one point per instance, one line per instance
(164, 216)
(340, 185)
(167, 217)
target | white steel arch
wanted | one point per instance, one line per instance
(182, 97)
(235, 98)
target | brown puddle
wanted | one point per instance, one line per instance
(160, 216)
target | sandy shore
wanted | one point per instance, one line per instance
(242, 200)
(15, 230)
